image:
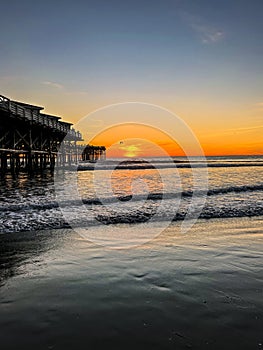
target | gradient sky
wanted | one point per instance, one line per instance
(203, 60)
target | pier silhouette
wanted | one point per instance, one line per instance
(31, 140)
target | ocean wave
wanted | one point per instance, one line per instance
(107, 200)
(43, 212)
(43, 220)
(132, 165)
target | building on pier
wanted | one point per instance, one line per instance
(93, 153)
(33, 140)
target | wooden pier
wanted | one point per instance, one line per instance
(32, 140)
(93, 153)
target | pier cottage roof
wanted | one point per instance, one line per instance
(54, 117)
(29, 106)
(20, 112)
(65, 123)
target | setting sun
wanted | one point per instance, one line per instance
(130, 151)
(132, 140)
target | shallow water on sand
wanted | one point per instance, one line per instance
(202, 290)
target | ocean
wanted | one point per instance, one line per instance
(234, 189)
(201, 288)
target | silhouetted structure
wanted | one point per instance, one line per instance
(32, 140)
(94, 153)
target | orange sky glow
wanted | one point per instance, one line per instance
(128, 141)
(122, 141)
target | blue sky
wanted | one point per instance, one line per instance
(84, 43)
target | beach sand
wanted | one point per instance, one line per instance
(200, 290)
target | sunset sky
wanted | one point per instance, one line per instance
(200, 59)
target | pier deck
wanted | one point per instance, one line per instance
(32, 140)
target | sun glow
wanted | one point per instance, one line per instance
(130, 151)
(136, 141)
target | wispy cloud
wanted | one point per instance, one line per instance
(58, 86)
(207, 33)
(249, 128)
(53, 84)
(233, 131)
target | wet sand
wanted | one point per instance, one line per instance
(201, 290)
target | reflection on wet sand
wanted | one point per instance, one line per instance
(19, 249)
(176, 292)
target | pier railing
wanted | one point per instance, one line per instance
(32, 140)
(35, 117)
